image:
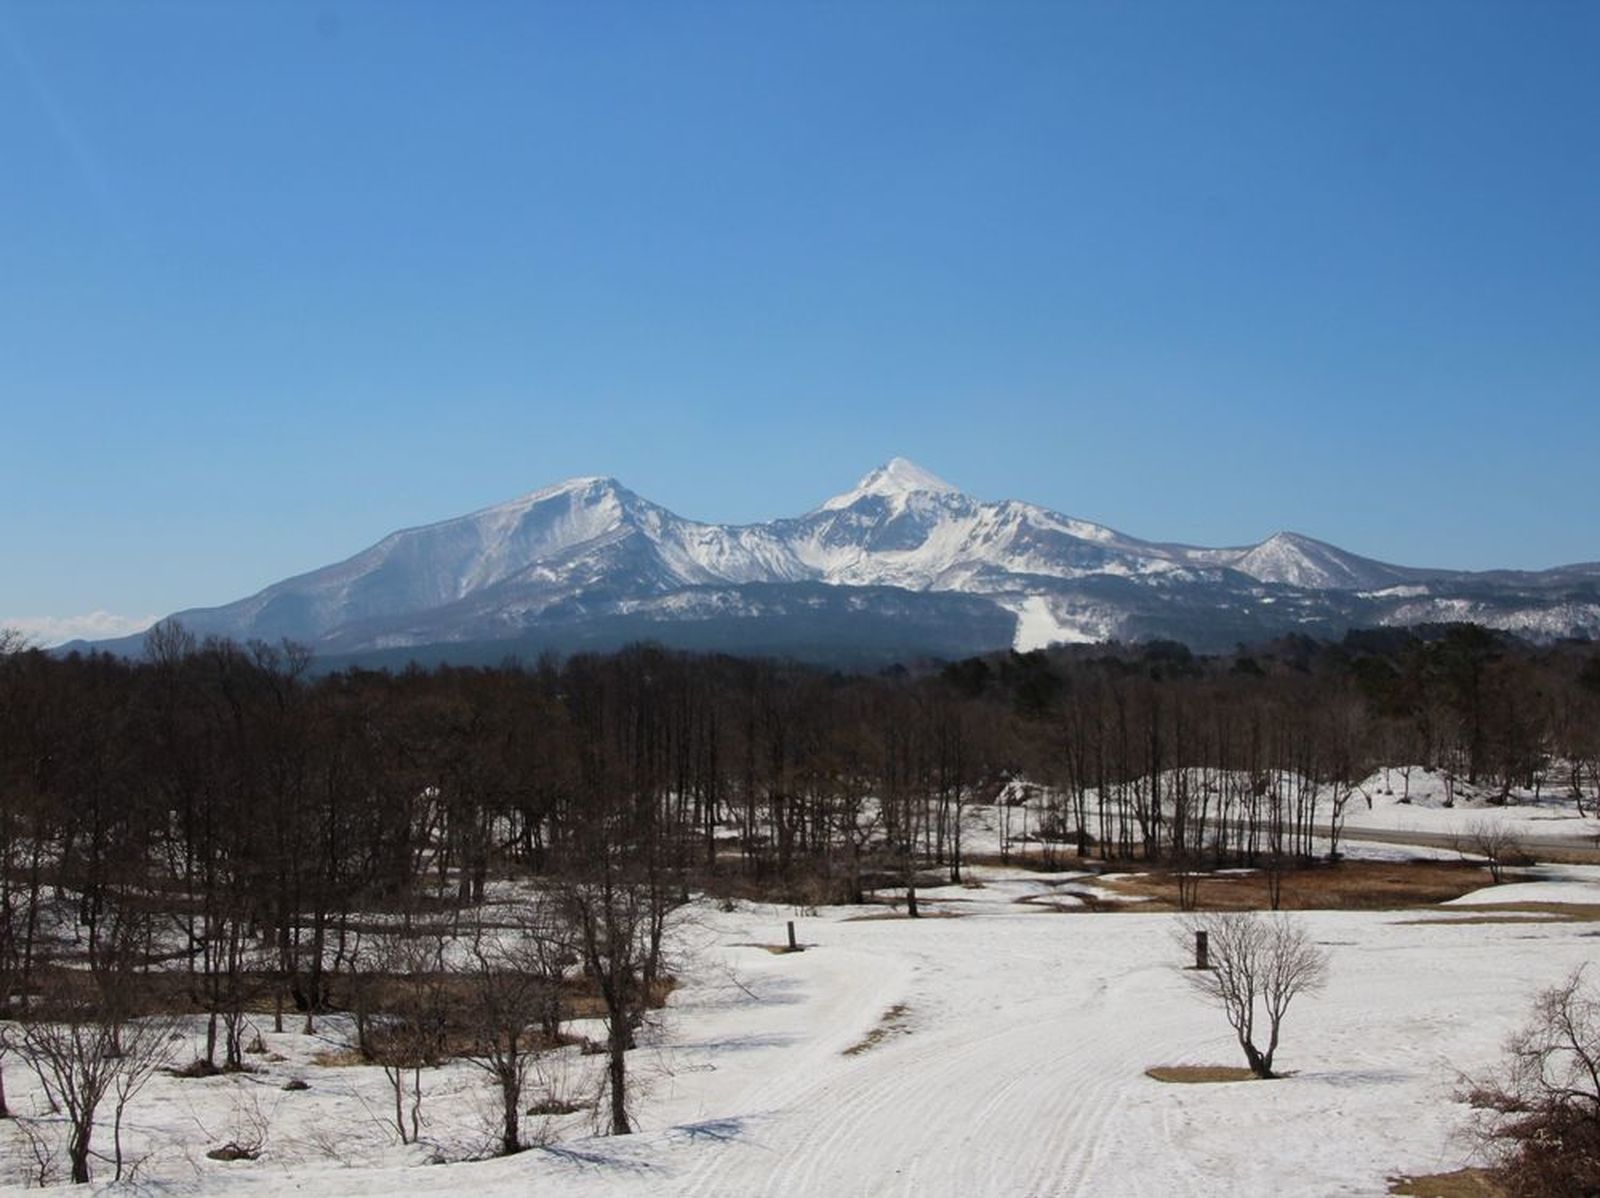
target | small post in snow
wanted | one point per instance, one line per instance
(793, 946)
(1202, 951)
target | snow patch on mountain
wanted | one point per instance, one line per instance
(1043, 621)
(1540, 621)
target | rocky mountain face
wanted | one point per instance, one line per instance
(903, 563)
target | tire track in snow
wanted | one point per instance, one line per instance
(1100, 1112)
(882, 1122)
(886, 1115)
(972, 1101)
(886, 981)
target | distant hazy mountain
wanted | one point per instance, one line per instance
(900, 564)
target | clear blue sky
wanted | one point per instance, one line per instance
(278, 278)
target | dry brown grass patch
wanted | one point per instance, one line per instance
(891, 1024)
(903, 915)
(1515, 913)
(1462, 1183)
(1190, 1075)
(339, 1058)
(1342, 886)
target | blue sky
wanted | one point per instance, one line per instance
(277, 279)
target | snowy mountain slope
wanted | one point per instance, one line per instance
(1299, 561)
(895, 479)
(589, 550)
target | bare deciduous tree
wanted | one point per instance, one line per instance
(1494, 841)
(618, 923)
(513, 979)
(409, 973)
(5, 1047)
(1542, 1109)
(81, 1058)
(1259, 964)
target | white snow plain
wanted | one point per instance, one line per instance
(998, 1050)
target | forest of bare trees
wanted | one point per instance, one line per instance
(219, 829)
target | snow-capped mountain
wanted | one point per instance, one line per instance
(903, 561)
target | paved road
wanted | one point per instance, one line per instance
(1577, 848)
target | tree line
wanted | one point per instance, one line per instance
(279, 801)
(224, 822)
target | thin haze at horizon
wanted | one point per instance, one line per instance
(277, 279)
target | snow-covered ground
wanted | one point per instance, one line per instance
(1427, 809)
(1562, 885)
(1548, 814)
(1000, 1050)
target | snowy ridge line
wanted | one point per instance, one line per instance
(566, 557)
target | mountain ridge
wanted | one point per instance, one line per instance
(588, 549)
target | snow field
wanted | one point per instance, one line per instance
(1011, 1063)
(1550, 815)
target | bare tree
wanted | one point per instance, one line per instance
(1494, 841)
(513, 978)
(608, 916)
(5, 1047)
(1258, 963)
(618, 922)
(81, 1058)
(17, 911)
(1186, 873)
(416, 1020)
(1542, 1110)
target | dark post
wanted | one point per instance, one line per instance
(1202, 953)
(793, 947)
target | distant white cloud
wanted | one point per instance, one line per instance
(45, 631)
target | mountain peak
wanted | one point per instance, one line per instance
(895, 478)
(582, 482)
(585, 486)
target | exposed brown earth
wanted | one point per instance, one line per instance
(1190, 1075)
(1341, 886)
(1462, 1183)
(1515, 913)
(891, 1024)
